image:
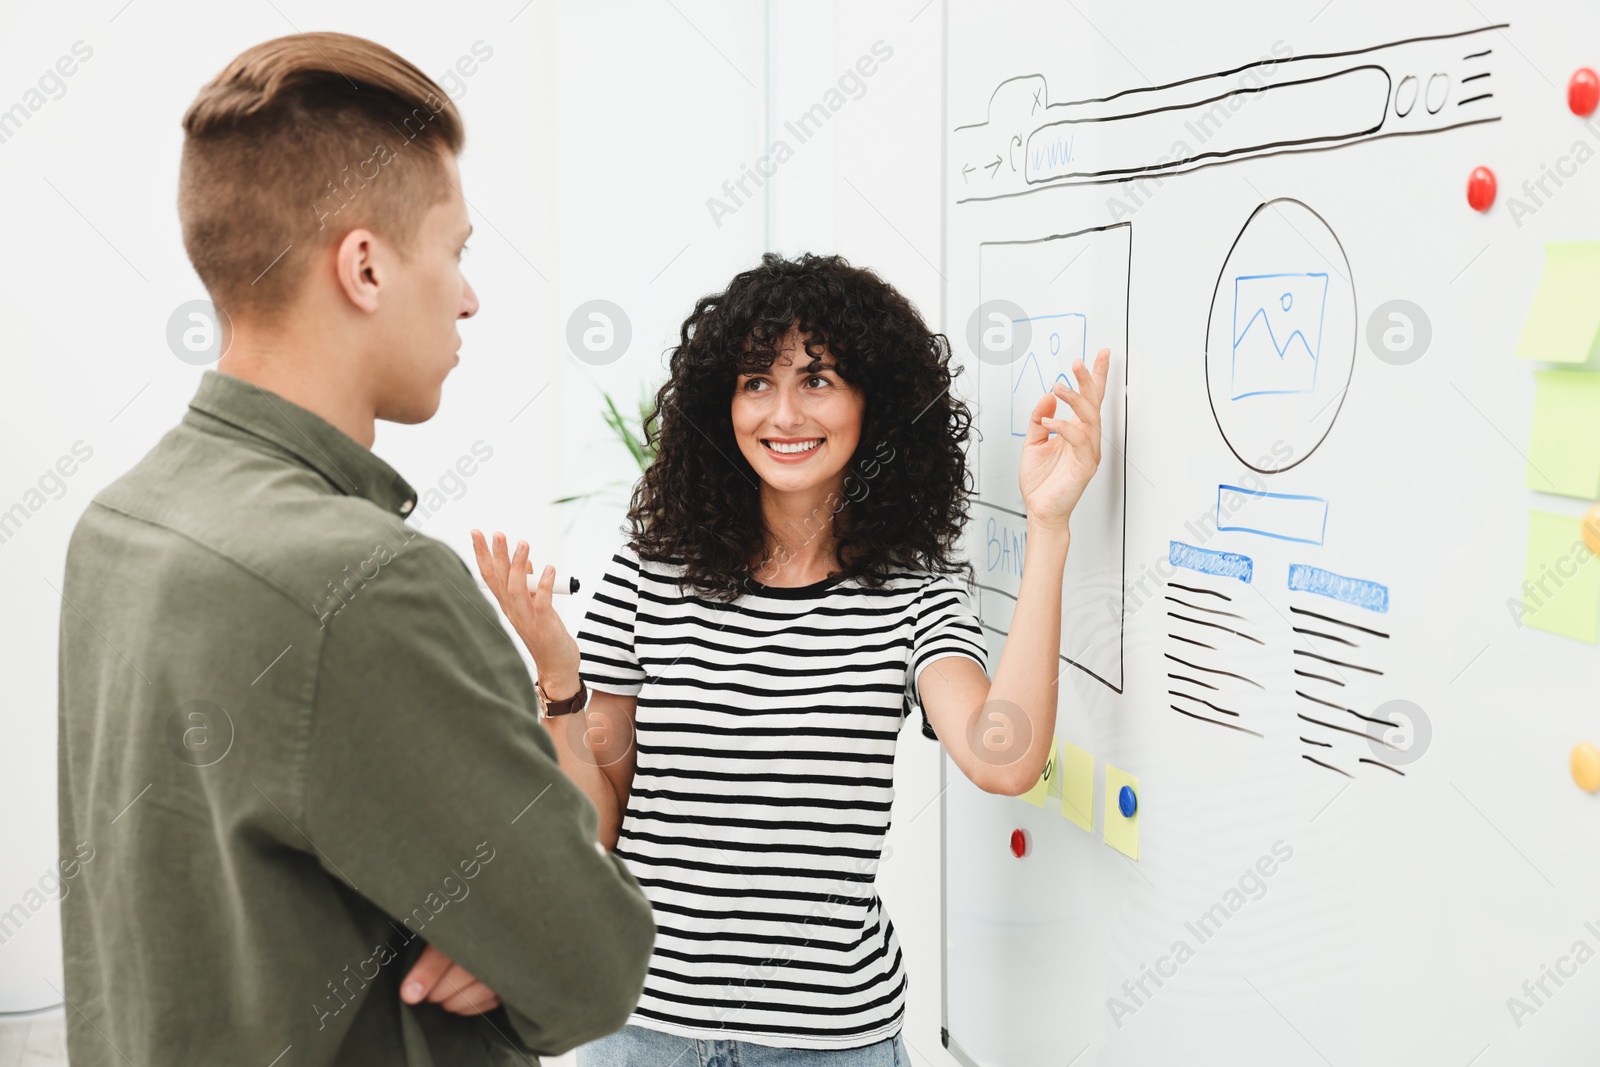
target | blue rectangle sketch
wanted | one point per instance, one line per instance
(1206, 561)
(1043, 352)
(1277, 333)
(1285, 516)
(1355, 591)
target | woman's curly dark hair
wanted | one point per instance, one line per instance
(699, 504)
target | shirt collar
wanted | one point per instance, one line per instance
(349, 466)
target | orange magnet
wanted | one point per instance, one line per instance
(1586, 766)
(1591, 529)
(1481, 188)
(1583, 92)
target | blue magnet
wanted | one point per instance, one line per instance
(1127, 801)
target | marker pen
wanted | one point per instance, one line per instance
(564, 586)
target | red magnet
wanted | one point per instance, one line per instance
(1481, 188)
(1583, 92)
(1020, 843)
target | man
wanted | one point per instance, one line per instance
(311, 814)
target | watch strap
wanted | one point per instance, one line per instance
(573, 704)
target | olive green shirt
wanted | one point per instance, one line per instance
(296, 745)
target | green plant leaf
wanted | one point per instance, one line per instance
(632, 435)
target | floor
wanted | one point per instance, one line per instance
(38, 1039)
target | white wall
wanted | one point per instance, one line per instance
(597, 133)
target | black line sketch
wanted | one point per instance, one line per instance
(1272, 411)
(1088, 306)
(1316, 102)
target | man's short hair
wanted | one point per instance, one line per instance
(298, 141)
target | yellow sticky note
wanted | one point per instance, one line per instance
(1564, 450)
(1077, 785)
(1121, 833)
(1564, 319)
(1561, 579)
(1047, 777)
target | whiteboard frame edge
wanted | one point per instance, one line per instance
(944, 325)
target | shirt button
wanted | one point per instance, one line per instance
(406, 506)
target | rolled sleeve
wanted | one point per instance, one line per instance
(433, 792)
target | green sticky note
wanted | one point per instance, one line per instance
(1122, 831)
(1047, 779)
(1561, 580)
(1077, 786)
(1564, 321)
(1564, 450)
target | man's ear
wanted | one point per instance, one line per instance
(356, 269)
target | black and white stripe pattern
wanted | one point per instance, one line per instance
(766, 732)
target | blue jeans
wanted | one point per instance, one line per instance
(636, 1046)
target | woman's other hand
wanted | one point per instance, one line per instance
(1055, 469)
(532, 613)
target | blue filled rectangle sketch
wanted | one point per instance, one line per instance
(1210, 561)
(1277, 333)
(1358, 592)
(1043, 353)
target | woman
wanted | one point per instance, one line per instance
(785, 595)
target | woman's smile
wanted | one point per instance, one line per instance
(792, 449)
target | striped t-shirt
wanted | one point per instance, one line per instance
(765, 738)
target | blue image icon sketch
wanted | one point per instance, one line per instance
(1277, 333)
(1055, 342)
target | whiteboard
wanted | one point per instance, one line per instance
(1287, 607)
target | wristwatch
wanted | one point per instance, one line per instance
(573, 704)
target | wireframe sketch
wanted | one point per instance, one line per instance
(1280, 344)
(1073, 290)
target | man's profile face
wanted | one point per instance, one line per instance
(423, 303)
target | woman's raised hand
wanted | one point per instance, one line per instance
(532, 614)
(1055, 470)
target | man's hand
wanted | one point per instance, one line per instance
(437, 978)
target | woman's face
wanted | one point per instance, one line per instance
(796, 426)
